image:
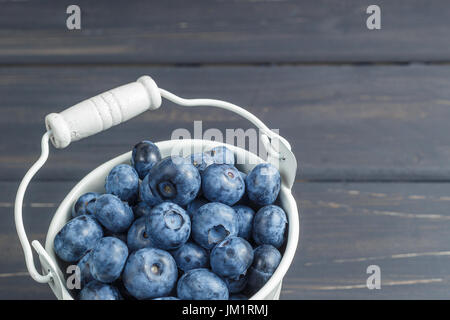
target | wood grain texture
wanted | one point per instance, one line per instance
(401, 227)
(240, 31)
(345, 123)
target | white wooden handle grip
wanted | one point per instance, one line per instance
(101, 112)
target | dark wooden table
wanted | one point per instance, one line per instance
(367, 114)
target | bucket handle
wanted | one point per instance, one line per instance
(113, 107)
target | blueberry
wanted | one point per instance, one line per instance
(201, 160)
(85, 204)
(95, 290)
(238, 296)
(113, 214)
(232, 257)
(212, 223)
(265, 262)
(269, 225)
(222, 183)
(193, 206)
(201, 284)
(171, 179)
(123, 182)
(166, 298)
(245, 217)
(141, 209)
(108, 259)
(77, 237)
(263, 184)
(150, 273)
(83, 266)
(266, 258)
(222, 155)
(191, 256)
(144, 156)
(236, 285)
(168, 226)
(137, 237)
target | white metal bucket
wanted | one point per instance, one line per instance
(94, 181)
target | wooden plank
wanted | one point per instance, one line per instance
(345, 123)
(401, 227)
(136, 31)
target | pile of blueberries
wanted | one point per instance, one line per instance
(191, 228)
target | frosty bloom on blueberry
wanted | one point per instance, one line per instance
(137, 237)
(263, 184)
(191, 256)
(269, 226)
(85, 204)
(212, 223)
(172, 179)
(150, 273)
(108, 259)
(222, 183)
(112, 213)
(265, 262)
(232, 257)
(201, 284)
(184, 232)
(168, 225)
(96, 290)
(143, 157)
(123, 182)
(76, 238)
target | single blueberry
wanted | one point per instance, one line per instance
(172, 179)
(77, 237)
(113, 214)
(144, 156)
(108, 259)
(212, 223)
(191, 256)
(95, 290)
(201, 160)
(238, 296)
(123, 182)
(222, 155)
(231, 258)
(166, 298)
(266, 258)
(137, 237)
(85, 204)
(83, 266)
(141, 209)
(193, 206)
(269, 225)
(222, 183)
(236, 285)
(263, 184)
(168, 226)
(150, 273)
(201, 284)
(245, 217)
